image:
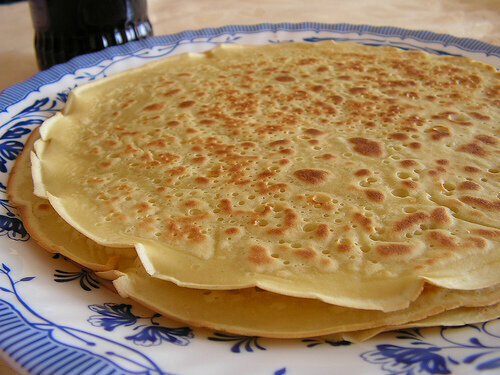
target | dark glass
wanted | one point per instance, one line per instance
(68, 28)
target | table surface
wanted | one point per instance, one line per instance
(478, 19)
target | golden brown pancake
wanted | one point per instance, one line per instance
(247, 311)
(340, 172)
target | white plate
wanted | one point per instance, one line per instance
(57, 319)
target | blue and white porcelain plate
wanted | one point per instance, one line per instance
(56, 318)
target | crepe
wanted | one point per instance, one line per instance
(256, 312)
(346, 173)
(48, 229)
(451, 318)
(247, 311)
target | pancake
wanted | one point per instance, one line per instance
(345, 173)
(247, 311)
(256, 312)
(48, 229)
(451, 318)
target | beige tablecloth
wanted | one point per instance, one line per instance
(479, 19)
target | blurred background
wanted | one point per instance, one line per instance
(479, 19)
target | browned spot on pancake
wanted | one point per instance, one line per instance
(399, 136)
(168, 158)
(473, 149)
(314, 132)
(443, 162)
(143, 207)
(187, 104)
(479, 116)
(312, 176)
(305, 253)
(469, 185)
(146, 225)
(248, 144)
(284, 162)
(226, 206)
(128, 103)
(325, 107)
(408, 163)
(232, 230)
(410, 184)
(439, 132)
(158, 143)
(266, 174)
(200, 159)
(477, 242)
(191, 203)
(308, 61)
(393, 249)
(415, 145)
(202, 180)
(439, 215)
(471, 169)
(443, 239)
(362, 172)
(109, 142)
(171, 92)
(437, 172)
(365, 222)
(489, 233)
(270, 129)
(486, 139)
(207, 122)
(357, 90)
(409, 221)
(258, 255)
(323, 69)
(194, 234)
(336, 99)
(327, 156)
(367, 147)
(281, 142)
(173, 123)
(374, 195)
(344, 247)
(322, 231)
(287, 151)
(290, 218)
(285, 79)
(95, 180)
(317, 88)
(480, 202)
(44, 206)
(154, 107)
(370, 124)
(325, 262)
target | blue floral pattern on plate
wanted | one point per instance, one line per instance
(55, 318)
(113, 315)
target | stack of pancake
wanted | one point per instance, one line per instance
(288, 190)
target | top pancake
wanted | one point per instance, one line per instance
(334, 171)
